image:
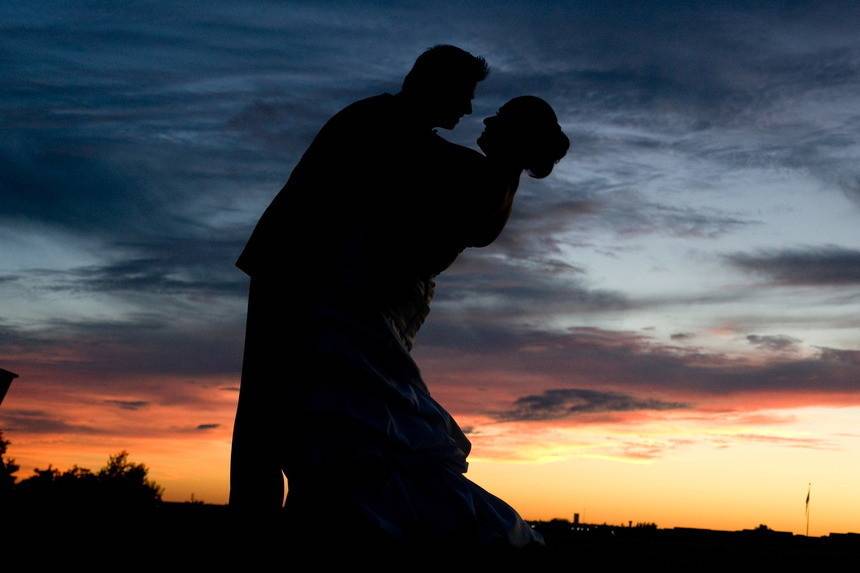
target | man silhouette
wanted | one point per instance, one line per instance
(333, 235)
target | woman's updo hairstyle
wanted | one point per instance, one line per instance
(543, 142)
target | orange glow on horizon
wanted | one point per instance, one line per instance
(718, 470)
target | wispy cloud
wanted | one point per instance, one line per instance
(682, 335)
(778, 342)
(828, 265)
(598, 361)
(40, 422)
(128, 404)
(564, 402)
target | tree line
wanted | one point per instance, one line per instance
(120, 486)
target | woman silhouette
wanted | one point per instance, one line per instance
(369, 454)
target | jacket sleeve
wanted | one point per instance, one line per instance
(299, 215)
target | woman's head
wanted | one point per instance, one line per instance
(526, 130)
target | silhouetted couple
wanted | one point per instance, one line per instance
(342, 266)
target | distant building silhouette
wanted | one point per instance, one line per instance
(764, 530)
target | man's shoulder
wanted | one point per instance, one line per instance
(368, 104)
(360, 114)
(384, 98)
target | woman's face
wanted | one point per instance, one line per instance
(492, 138)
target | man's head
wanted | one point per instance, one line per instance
(442, 82)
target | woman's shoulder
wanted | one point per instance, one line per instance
(455, 149)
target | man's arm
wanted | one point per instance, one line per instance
(256, 481)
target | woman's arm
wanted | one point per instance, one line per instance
(491, 199)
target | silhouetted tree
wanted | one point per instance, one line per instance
(7, 472)
(38, 491)
(127, 482)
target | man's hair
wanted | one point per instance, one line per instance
(444, 64)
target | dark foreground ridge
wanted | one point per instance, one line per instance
(197, 532)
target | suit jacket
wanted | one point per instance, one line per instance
(375, 202)
(335, 226)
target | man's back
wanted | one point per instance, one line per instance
(333, 228)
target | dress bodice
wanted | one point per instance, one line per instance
(406, 313)
(406, 306)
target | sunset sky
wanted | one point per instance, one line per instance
(668, 329)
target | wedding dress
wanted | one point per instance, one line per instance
(371, 452)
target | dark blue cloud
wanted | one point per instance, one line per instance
(560, 403)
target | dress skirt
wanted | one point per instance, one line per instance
(368, 453)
